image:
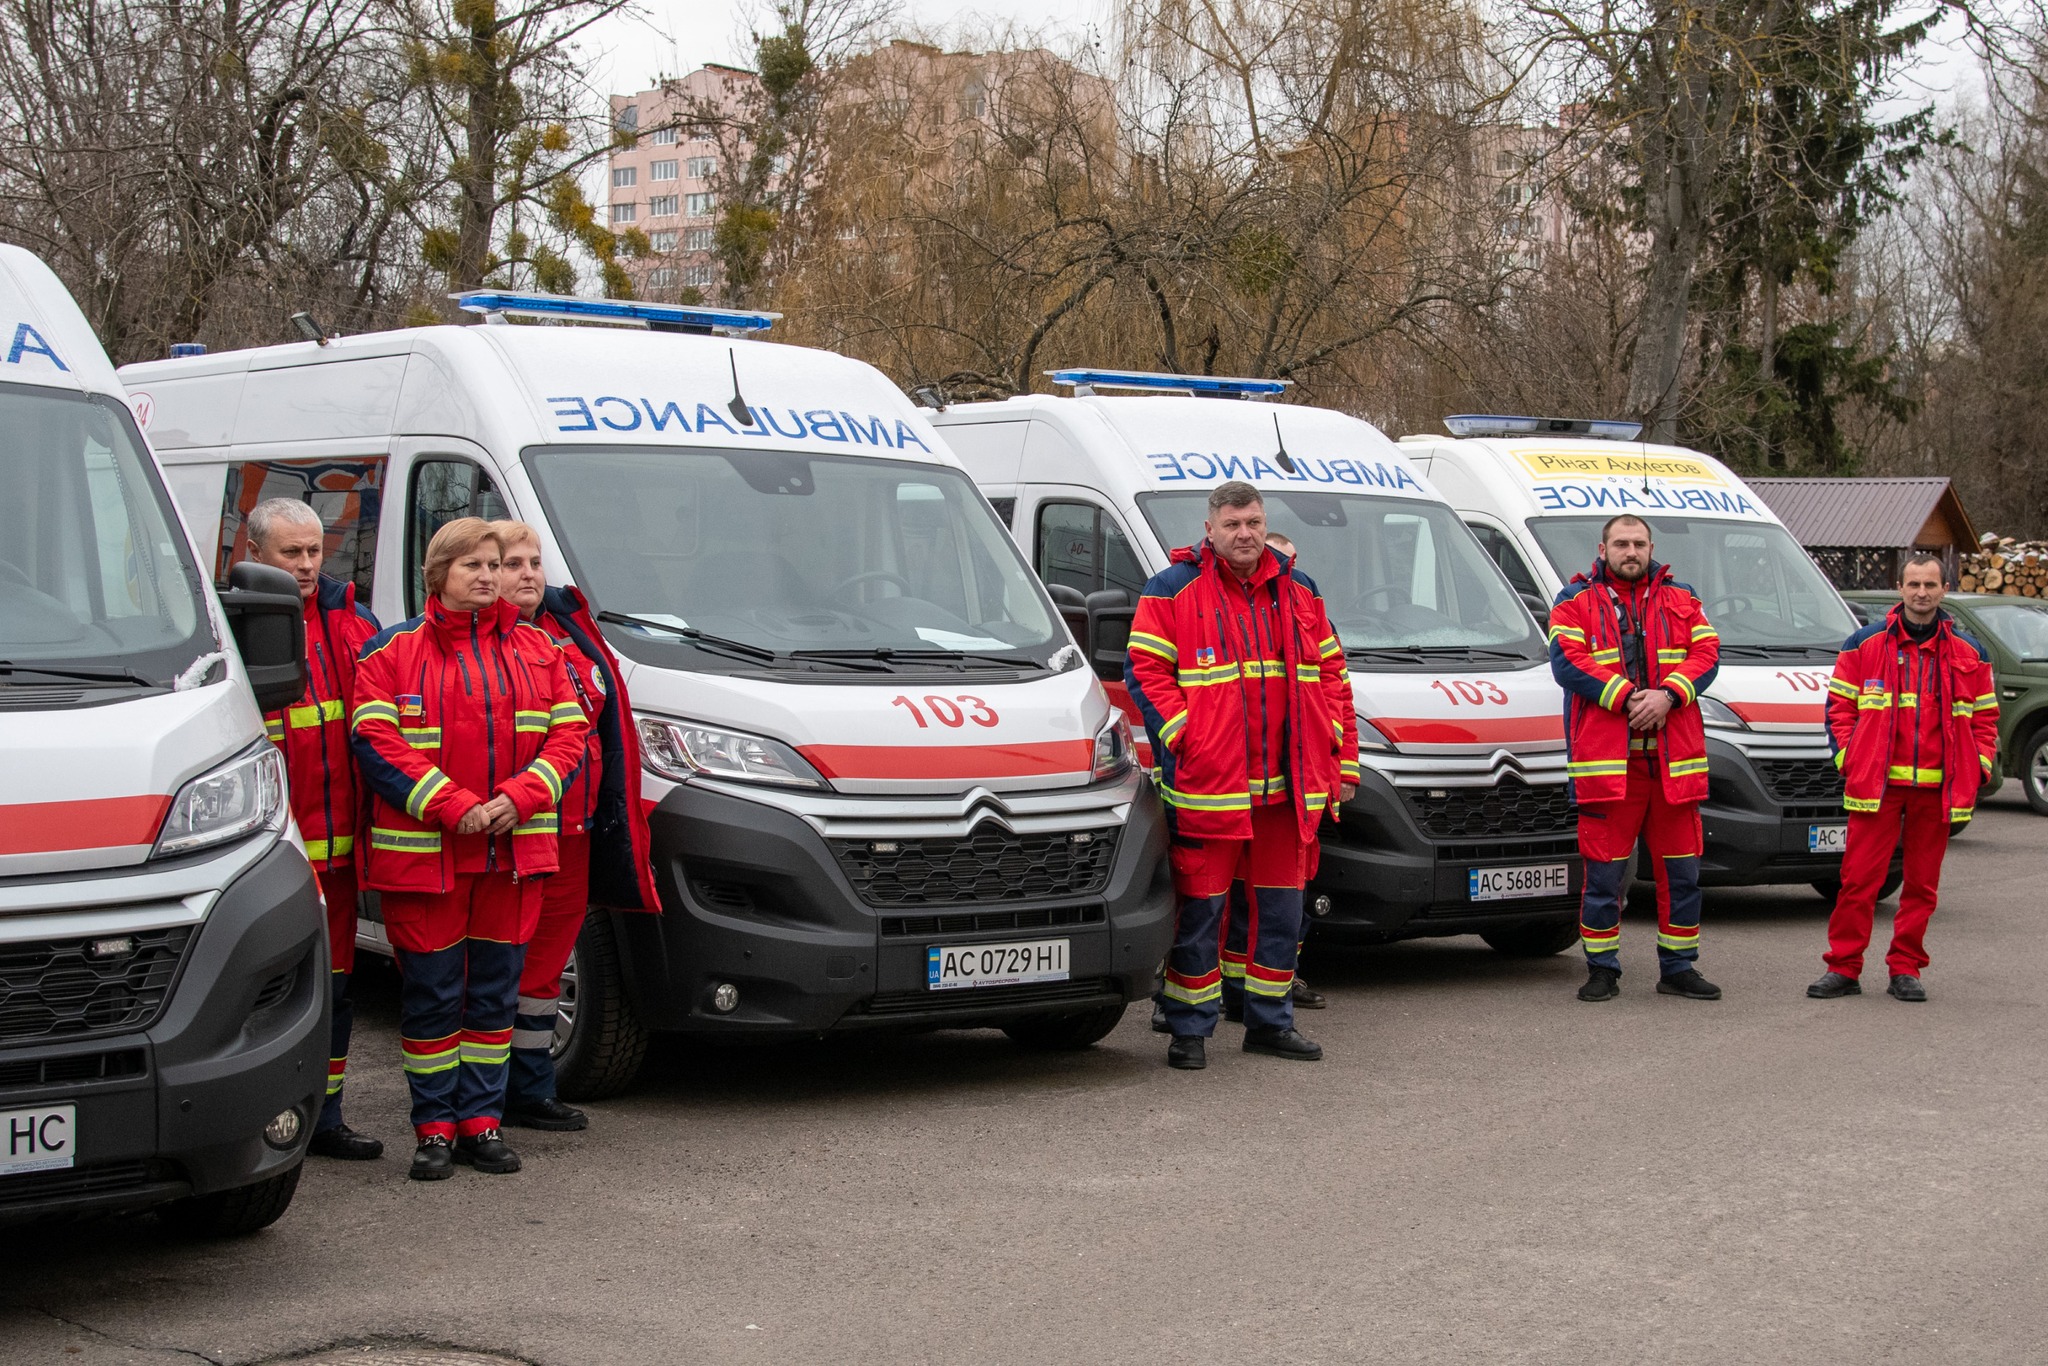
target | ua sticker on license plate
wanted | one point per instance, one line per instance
(1826, 839)
(952, 967)
(42, 1140)
(1531, 879)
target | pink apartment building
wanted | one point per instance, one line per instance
(664, 183)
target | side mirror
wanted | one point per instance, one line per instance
(1538, 609)
(269, 626)
(1110, 614)
(1073, 610)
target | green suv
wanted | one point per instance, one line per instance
(2015, 631)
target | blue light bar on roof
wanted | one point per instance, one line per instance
(1215, 386)
(1481, 424)
(665, 317)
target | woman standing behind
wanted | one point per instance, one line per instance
(465, 728)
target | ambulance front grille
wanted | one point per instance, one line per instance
(992, 864)
(1510, 809)
(1802, 780)
(76, 988)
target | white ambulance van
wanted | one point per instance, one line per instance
(163, 962)
(1536, 492)
(1460, 824)
(883, 788)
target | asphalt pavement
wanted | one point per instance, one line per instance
(1483, 1168)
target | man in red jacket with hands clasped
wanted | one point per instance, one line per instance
(1913, 720)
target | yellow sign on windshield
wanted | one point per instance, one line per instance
(1577, 463)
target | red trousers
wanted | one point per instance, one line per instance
(564, 898)
(1873, 835)
(338, 885)
(1272, 867)
(490, 906)
(1607, 836)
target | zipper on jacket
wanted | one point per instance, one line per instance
(490, 738)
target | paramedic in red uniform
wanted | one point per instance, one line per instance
(599, 813)
(1242, 685)
(313, 734)
(1913, 720)
(466, 729)
(1633, 650)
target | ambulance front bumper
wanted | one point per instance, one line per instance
(821, 913)
(1772, 802)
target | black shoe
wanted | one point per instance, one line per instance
(1906, 987)
(345, 1143)
(1282, 1043)
(1690, 985)
(433, 1160)
(1307, 997)
(1829, 985)
(486, 1151)
(549, 1114)
(1233, 1009)
(1189, 1052)
(1159, 1024)
(1602, 984)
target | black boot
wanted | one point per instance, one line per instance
(1307, 997)
(1602, 984)
(433, 1160)
(486, 1151)
(548, 1114)
(1906, 987)
(1690, 985)
(1282, 1043)
(346, 1144)
(1159, 1024)
(1829, 985)
(1189, 1052)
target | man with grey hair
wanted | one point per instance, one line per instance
(1241, 682)
(314, 737)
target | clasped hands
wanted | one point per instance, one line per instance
(1648, 708)
(493, 817)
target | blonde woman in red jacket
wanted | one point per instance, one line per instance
(466, 729)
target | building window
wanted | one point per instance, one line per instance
(662, 278)
(700, 205)
(663, 137)
(624, 213)
(702, 168)
(661, 170)
(661, 206)
(698, 239)
(663, 242)
(623, 177)
(627, 117)
(699, 276)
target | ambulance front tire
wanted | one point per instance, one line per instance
(233, 1213)
(605, 1042)
(1065, 1033)
(1831, 887)
(1539, 940)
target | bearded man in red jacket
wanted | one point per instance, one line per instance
(1913, 721)
(1243, 689)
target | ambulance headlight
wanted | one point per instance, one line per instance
(242, 796)
(1113, 749)
(1717, 713)
(1371, 740)
(683, 749)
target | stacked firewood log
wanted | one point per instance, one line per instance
(2016, 569)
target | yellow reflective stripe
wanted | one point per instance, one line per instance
(424, 791)
(1586, 768)
(546, 823)
(1606, 656)
(564, 712)
(1308, 673)
(1841, 756)
(1861, 804)
(1704, 632)
(313, 714)
(1259, 986)
(1874, 701)
(529, 721)
(1328, 647)
(1171, 727)
(486, 1053)
(1906, 773)
(1963, 709)
(1269, 787)
(441, 1060)
(339, 847)
(405, 841)
(1612, 691)
(374, 711)
(1315, 801)
(1348, 770)
(274, 730)
(1984, 760)
(1202, 678)
(548, 775)
(1671, 656)
(1683, 684)
(1571, 632)
(421, 737)
(1841, 689)
(1678, 941)
(1193, 996)
(1909, 699)
(1206, 801)
(1958, 814)
(1986, 700)
(1154, 645)
(1265, 668)
(1337, 726)
(1684, 768)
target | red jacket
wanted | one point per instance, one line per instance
(1244, 692)
(313, 733)
(621, 862)
(587, 681)
(451, 709)
(1900, 712)
(1681, 654)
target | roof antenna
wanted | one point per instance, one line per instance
(1286, 460)
(737, 405)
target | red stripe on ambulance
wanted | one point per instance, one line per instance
(1781, 713)
(96, 823)
(951, 761)
(1491, 730)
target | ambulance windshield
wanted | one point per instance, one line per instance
(97, 583)
(1763, 593)
(764, 558)
(1400, 577)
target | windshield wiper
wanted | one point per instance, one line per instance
(110, 673)
(888, 654)
(1468, 650)
(1829, 650)
(695, 636)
